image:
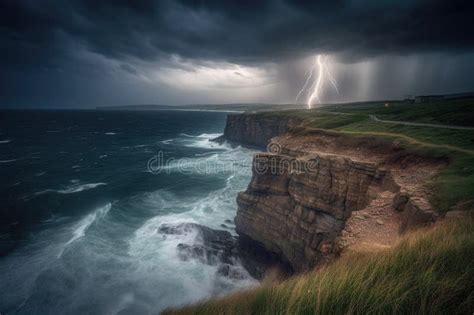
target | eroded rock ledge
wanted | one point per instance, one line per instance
(304, 195)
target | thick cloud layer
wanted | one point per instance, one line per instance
(83, 36)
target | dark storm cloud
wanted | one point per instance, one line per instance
(245, 31)
(76, 48)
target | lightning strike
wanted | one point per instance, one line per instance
(305, 86)
(317, 85)
(323, 72)
(332, 80)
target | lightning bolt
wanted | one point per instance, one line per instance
(331, 79)
(317, 84)
(305, 86)
(323, 71)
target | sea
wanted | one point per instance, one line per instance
(83, 194)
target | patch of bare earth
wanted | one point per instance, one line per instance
(373, 228)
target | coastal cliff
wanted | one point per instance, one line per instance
(307, 190)
(255, 130)
(298, 214)
(345, 186)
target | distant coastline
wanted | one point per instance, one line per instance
(228, 108)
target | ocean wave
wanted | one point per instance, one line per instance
(204, 141)
(150, 247)
(79, 188)
(168, 141)
(205, 154)
(5, 141)
(210, 135)
(110, 133)
(198, 141)
(72, 189)
(84, 224)
(202, 135)
(224, 161)
(220, 204)
(8, 161)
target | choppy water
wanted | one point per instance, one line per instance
(80, 210)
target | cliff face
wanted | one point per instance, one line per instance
(305, 189)
(297, 207)
(256, 130)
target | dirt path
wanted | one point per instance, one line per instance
(407, 123)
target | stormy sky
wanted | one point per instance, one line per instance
(87, 53)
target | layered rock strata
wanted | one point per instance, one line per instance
(303, 192)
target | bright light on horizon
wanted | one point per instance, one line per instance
(321, 66)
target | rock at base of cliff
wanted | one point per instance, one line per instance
(220, 248)
(258, 261)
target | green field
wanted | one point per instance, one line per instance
(453, 112)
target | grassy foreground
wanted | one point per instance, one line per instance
(430, 272)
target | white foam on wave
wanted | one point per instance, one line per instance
(209, 135)
(71, 189)
(21, 272)
(227, 161)
(8, 161)
(157, 253)
(146, 239)
(110, 133)
(187, 280)
(5, 141)
(204, 141)
(81, 227)
(211, 210)
(168, 141)
(75, 189)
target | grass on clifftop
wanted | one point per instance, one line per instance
(430, 272)
(454, 186)
(448, 112)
